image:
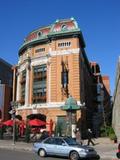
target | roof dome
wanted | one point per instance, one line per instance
(70, 101)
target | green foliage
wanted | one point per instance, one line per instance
(104, 131)
(108, 132)
(112, 134)
(27, 133)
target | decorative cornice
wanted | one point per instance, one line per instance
(51, 35)
(44, 59)
(65, 52)
(44, 105)
(39, 60)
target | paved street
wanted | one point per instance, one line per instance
(24, 155)
(21, 150)
(6, 154)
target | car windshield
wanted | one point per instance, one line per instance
(70, 141)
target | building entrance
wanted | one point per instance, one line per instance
(61, 126)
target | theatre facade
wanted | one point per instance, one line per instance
(53, 65)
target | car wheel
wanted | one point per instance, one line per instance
(118, 155)
(97, 157)
(42, 153)
(74, 155)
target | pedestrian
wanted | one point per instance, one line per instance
(90, 135)
(44, 135)
(78, 136)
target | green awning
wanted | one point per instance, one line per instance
(70, 107)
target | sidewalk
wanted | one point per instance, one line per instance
(8, 144)
(104, 146)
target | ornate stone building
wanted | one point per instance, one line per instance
(52, 65)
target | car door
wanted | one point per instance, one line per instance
(61, 148)
(49, 145)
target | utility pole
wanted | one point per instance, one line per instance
(14, 104)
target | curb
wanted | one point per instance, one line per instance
(16, 148)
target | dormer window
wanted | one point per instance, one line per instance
(63, 27)
(39, 34)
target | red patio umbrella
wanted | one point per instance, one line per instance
(8, 122)
(36, 122)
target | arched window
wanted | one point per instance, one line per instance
(39, 34)
(97, 69)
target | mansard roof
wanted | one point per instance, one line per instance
(63, 27)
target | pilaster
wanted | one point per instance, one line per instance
(18, 86)
(27, 84)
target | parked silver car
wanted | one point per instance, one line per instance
(64, 146)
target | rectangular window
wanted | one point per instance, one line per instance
(64, 44)
(39, 84)
(23, 82)
(64, 78)
(40, 50)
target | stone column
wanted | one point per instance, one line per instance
(14, 83)
(48, 83)
(49, 75)
(18, 87)
(27, 84)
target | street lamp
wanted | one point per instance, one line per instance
(14, 105)
(71, 107)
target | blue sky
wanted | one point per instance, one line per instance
(99, 21)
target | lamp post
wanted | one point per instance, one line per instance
(14, 105)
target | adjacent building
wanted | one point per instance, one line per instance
(5, 89)
(116, 103)
(101, 99)
(53, 65)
